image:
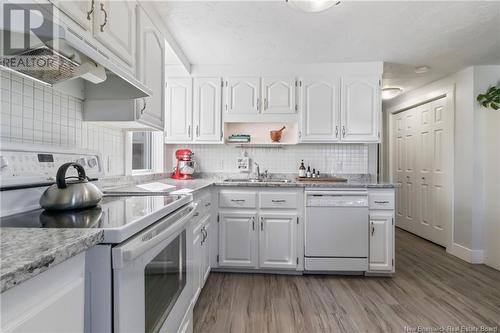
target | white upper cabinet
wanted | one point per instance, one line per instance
(277, 241)
(151, 70)
(179, 111)
(361, 109)
(193, 111)
(278, 95)
(242, 95)
(320, 109)
(207, 109)
(80, 12)
(115, 28)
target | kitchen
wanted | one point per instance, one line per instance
(242, 166)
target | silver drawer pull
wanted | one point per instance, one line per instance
(381, 202)
(196, 214)
(278, 201)
(238, 200)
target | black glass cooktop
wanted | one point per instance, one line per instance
(112, 212)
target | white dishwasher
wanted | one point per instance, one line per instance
(336, 230)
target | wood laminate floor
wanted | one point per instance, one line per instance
(430, 289)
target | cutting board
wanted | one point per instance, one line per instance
(322, 179)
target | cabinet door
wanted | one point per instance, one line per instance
(207, 109)
(381, 242)
(237, 240)
(196, 263)
(79, 11)
(278, 95)
(361, 109)
(151, 71)
(320, 110)
(206, 251)
(179, 110)
(115, 28)
(277, 241)
(242, 95)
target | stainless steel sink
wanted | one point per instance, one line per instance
(265, 181)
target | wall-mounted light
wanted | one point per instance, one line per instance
(391, 92)
(312, 6)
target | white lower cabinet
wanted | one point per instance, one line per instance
(381, 231)
(237, 239)
(53, 301)
(262, 233)
(278, 240)
(201, 238)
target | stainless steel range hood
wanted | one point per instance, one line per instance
(70, 56)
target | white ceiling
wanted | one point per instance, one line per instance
(446, 36)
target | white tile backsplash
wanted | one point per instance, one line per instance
(35, 114)
(327, 158)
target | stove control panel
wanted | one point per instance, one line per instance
(24, 167)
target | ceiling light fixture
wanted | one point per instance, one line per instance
(421, 69)
(389, 93)
(312, 6)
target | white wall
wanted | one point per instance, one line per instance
(35, 114)
(487, 166)
(327, 158)
(476, 154)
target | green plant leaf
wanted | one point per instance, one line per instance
(494, 106)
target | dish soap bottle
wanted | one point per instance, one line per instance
(302, 170)
(308, 172)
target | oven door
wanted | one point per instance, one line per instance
(152, 287)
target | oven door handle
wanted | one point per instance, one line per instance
(142, 243)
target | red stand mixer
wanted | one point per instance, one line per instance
(185, 164)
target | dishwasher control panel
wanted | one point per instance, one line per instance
(336, 199)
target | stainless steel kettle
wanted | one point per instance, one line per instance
(74, 194)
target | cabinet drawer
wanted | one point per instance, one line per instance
(237, 199)
(278, 200)
(383, 200)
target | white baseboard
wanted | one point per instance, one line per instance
(464, 253)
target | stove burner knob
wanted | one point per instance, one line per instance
(81, 161)
(92, 162)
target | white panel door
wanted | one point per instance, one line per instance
(421, 163)
(179, 110)
(242, 95)
(207, 109)
(409, 169)
(278, 95)
(115, 28)
(238, 240)
(151, 71)
(361, 109)
(424, 169)
(320, 110)
(79, 11)
(277, 241)
(381, 252)
(440, 181)
(398, 167)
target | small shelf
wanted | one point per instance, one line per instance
(259, 133)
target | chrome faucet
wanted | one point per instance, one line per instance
(257, 169)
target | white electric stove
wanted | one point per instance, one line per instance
(137, 279)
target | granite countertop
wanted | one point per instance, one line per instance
(27, 252)
(198, 184)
